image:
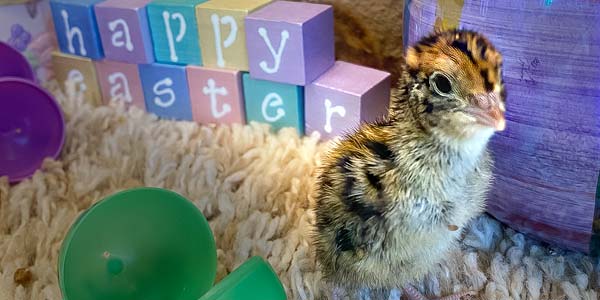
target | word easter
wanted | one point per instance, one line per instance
(217, 62)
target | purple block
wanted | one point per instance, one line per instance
(290, 42)
(345, 96)
(124, 31)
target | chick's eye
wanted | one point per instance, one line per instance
(441, 84)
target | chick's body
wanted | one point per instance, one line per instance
(391, 196)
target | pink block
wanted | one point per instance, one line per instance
(344, 97)
(120, 82)
(124, 31)
(216, 95)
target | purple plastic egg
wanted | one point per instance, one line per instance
(13, 63)
(547, 161)
(31, 128)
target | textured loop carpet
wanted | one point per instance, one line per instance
(254, 188)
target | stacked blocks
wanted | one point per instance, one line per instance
(174, 23)
(75, 27)
(81, 72)
(124, 31)
(345, 96)
(218, 61)
(120, 82)
(290, 42)
(222, 34)
(216, 95)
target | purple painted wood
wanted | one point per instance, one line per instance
(548, 159)
(290, 42)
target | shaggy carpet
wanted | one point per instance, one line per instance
(254, 187)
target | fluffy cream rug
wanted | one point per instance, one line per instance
(254, 188)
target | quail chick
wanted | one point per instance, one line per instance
(393, 197)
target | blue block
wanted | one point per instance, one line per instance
(166, 91)
(175, 31)
(76, 29)
(279, 104)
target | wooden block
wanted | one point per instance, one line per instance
(222, 33)
(124, 31)
(75, 27)
(79, 70)
(216, 95)
(175, 31)
(345, 96)
(290, 42)
(166, 91)
(279, 104)
(120, 82)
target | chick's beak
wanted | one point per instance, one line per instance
(488, 110)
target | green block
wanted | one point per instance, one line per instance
(175, 31)
(278, 104)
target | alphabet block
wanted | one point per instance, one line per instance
(290, 42)
(222, 34)
(174, 28)
(216, 95)
(124, 31)
(75, 26)
(345, 96)
(279, 104)
(120, 82)
(81, 72)
(166, 91)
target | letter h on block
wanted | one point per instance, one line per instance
(290, 42)
(75, 27)
(345, 96)
(124, 31)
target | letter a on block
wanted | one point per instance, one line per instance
(272, 100)
(182, 29)
(285, 35)
(213, 91)
(329, 111)
(118, 35)
(161, 88)
(71, 33)
(119, 87)
(233, 28)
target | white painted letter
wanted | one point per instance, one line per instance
(182, 29)
(77, 78)
(276, 55)
(71, 33)
(119, 89)
(116, 37)
(167, 82)
(213, 91)
(340, 110)
(273, 100)
(227, 20)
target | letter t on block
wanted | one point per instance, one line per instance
(345, 96)
(290, 42)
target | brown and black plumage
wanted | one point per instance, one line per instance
(393, 196)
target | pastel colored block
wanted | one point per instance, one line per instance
(216, 95)
(81, 72)
(279, 104)
(120, 82)
(290, 42)
(75, 27)
(124, 30)
(175, 31)
(166, 91)
(344, 97)
(222, 34)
